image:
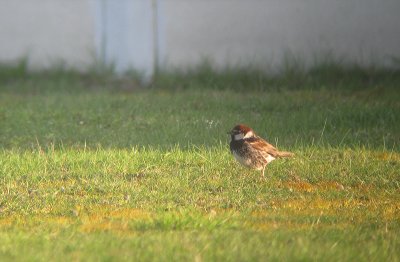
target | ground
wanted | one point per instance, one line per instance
(98, 168)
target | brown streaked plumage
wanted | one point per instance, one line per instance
(251, 150)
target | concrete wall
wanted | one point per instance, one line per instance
(125, 34)
(262, 32)
(47, 31)
(180, 33)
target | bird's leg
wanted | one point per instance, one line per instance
(262, 172)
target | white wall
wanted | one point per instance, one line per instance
(47, 31)
(125, 34)
(234, 32)
(262, 32)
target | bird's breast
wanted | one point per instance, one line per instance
(246, 161)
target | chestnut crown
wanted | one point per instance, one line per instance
(241, 131)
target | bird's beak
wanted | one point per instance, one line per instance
(229, 133)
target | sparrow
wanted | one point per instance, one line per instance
(251, 150)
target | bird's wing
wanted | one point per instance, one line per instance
(262, 146)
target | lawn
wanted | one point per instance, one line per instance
(95, 167)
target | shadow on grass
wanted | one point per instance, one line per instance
(292, 75)
(329, 104)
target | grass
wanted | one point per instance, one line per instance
(95, 167)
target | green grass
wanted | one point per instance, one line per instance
(95, 167)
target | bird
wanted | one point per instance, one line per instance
(251, 150)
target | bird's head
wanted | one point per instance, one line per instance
(240, 132)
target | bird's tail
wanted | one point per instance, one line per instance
(285, 154)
